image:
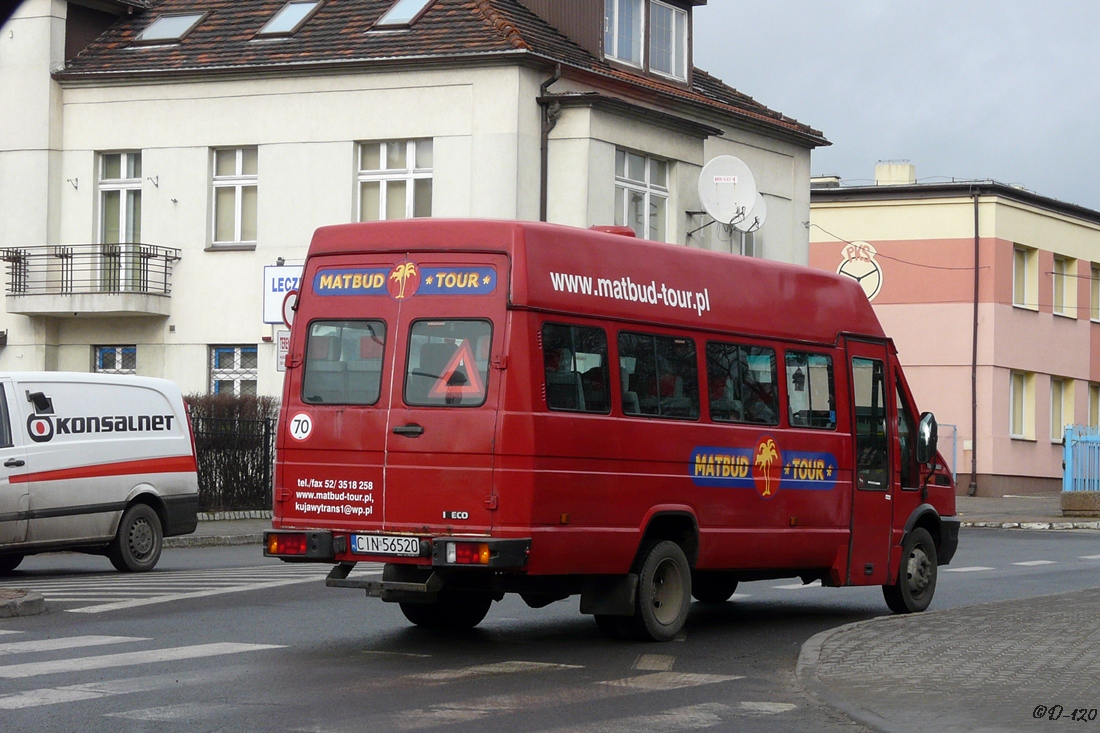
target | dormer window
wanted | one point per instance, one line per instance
(668, 42)
(624, 26)
(169, 28)
(403, 13)
(289, 18)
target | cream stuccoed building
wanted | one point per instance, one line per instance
(156, 155)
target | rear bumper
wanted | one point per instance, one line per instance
(949, 539)
(181, 514)
(325, 546)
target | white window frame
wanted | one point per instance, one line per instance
(1025, 278)
(155, 33)
(1094, 405)
(238, 181)
(650, 191)
(402, 13)
(98, 351)
(612, 13)
(1018, 385)
(129, 182)
(1058, 389)
(409, 175)
(282, 13)
(238, 374)
(678, 42)
(1094, 293)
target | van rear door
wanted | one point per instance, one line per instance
(14, 497)
(444, 392)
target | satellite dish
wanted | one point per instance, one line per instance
(754, 219)
(727, 189)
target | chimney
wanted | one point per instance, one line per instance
(895, 173)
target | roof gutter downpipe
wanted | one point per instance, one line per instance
(550, 111)
(973, 488)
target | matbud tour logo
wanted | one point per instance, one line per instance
(43, 428)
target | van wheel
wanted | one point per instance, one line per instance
(136, 547)
(917, 576)
(664, 592)
(712, 587)
(9, 563)
(453, 611)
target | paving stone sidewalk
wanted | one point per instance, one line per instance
(1020, 665)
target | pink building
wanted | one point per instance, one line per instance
(992, 295)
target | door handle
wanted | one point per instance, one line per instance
(13, 463)
(412, 430)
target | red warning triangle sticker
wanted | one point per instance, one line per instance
(455, 382)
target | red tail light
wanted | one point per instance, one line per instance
(286, 544)
(467, 553)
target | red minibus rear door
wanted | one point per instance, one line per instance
(444, 395)
(873, 480)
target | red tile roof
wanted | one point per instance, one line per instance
(339, 35)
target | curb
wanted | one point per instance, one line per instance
(806, 674)
(1034, 525)
(20, 603)
(255, 538)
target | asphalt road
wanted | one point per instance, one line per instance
(220, 639)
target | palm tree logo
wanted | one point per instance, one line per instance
(401, 275)
(766, 454)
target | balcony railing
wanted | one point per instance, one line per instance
(69, 269)
(89, 278)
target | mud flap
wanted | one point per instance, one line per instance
(609, 595)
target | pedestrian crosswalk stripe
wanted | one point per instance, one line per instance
(6, 631)
(96, 690)
(1035, 563)
(71, 642)
(481, 670)
(107, 661)
(654, 662)
(182, 713)
(971, 569)
(670, 680)
(799, 586)
(1090, 557)
(102, 592)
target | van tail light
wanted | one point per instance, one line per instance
(286, 544)
(467, 553)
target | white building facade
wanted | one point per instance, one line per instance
(145, 184)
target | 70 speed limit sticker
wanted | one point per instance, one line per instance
(300, 426)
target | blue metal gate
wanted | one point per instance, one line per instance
(1082, 459)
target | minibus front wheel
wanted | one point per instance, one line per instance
(137, 544)
(916, 583)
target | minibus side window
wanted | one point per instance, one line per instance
(5, 423)
(577, 373)
(906, 437)
(659, 376)
(741, 381)
(448, 363)
(811, 394)
(343, 364)
(868, 383)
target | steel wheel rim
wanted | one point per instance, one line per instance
(141, 538)
(668, 585)
(919, 572)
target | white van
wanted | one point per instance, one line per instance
(95, 463)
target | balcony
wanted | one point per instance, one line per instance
(65, 281)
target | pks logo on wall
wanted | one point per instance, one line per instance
(42, 428)
(859, 264)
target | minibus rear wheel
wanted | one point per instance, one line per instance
(453, 611)
(136, 547)
(710, 586)
(9, 563)
(916, 582)
(664, 592)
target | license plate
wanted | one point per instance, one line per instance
(376, 544)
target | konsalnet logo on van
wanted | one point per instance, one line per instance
(765, 468)
(405, 280)
(42, 429)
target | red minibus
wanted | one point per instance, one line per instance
(492, 407)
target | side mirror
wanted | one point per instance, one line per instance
(927, 437)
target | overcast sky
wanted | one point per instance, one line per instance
(964, 89)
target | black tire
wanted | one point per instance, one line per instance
(137, 544)
(916, 582)
(9, 563)
(453, 611)
(709, 586)
(664, 593)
